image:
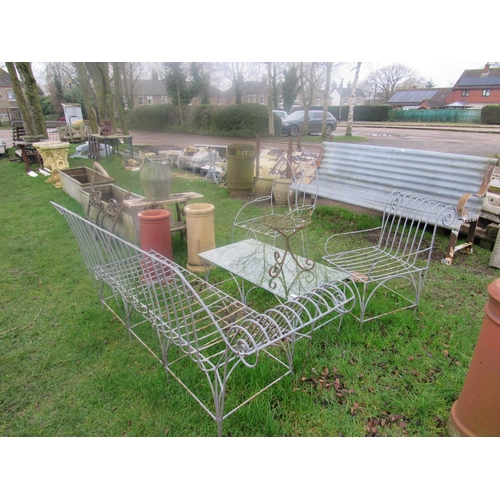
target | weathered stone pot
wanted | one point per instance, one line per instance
(282, 191)
(477, 410)
(264, 185)
(55, 158)
(156, 177)
(74, 179)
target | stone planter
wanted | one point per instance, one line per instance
(55, 158)
(156, 177)
(127, 225)
(282, 192)
(74, 179)
(264, 185)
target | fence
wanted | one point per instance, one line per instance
(435, 115)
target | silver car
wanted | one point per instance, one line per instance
(292, 124)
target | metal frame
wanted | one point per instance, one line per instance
(301, 205)
(194, 321)
(402, 252)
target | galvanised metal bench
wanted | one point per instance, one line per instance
(364, 176)
(186, 322)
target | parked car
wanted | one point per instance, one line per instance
(281, 113)
(292, 124)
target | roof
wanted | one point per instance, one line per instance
(150, 87)
(414, 97)
(5, 79)
(485, 77)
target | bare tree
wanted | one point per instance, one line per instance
(306, 82)
(326, 94)
(388, 79)
(117, 80)
(348, 131)
(99, 73)
(270, 98)
(83, 79)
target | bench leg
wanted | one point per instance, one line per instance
(465, 247)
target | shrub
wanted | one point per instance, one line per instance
(156, 118)
(202, 116)
(491, 114)
(241, 120)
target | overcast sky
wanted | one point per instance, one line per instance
(443, 74)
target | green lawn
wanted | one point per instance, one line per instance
(67, 368)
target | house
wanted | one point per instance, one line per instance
(148, 92)
(252, 92)
(476, 88)
(428, 98)
(8, 103)
(341, 96)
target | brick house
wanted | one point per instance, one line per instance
(477, 87)
(428, 98)
(148, 92)
(8, 103)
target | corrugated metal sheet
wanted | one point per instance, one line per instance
(364, 176)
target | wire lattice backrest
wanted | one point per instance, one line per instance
(406, 221)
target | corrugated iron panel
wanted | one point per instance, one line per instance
(364, 176)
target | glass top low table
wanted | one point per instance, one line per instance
(251, 259)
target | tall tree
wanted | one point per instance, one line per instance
(87, 96)
(21, 101)
(306, 101)
(290, 86)
(117, 80)
(32, 98)
(99, 73)
(326, 95)
(270, 102)
(348, 131)
(199, 81)
(176, 83)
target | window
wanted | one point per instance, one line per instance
(465, 93)
(149, 99)
(141, 100)
(486, 92)
(359, 100)
(318, 102)
(345, 100)
(164, 99)
(219, 100)
(10, 95)
(262, 101)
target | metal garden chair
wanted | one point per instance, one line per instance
(398, 260)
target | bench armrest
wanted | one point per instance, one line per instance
(330, 241)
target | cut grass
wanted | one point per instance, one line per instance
(68, 368)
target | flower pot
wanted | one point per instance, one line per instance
(477, 410)
(282, 192)
(156, 177)
(264, 185)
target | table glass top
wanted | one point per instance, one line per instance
(251, 260)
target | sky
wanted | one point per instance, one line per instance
(443, 74)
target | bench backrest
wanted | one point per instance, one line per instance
(365, 176)
(405, 222)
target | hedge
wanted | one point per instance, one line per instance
(491, 114)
